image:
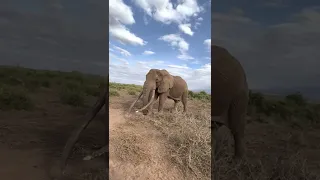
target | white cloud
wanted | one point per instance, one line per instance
(184, 56)
(122, 51)
(288, 49)
(148, 52)
(197, 79)
(196, 25)
(113, 57)
(186, 28)
(176, 40)
(167, 12)
(179, 66)
(120, 15)
(195, 62)
(200, 19)
(207, 42)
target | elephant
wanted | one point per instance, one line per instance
(103, 100)
(230, 96)
(160, 83)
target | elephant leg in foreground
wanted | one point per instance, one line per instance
(97, 153)
(162, 100)
(75, 135)
(236, 122)
(150, 108)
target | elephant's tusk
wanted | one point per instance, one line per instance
(134, 102)
(151, 100)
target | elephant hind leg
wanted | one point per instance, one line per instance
(236, 120)
(184, 99)
(175, 105)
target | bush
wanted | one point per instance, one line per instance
(14, 99)
(92, 91)
(130, 92)
(113, 93)
(72, 97)
(296, 99)
(202, 95)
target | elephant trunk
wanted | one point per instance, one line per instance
(150, 101)
(75, 135)
(148, 87)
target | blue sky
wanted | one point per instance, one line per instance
(160, 34)
(277, 41)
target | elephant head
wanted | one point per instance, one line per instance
(156, 80)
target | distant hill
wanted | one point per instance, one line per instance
(310, 93)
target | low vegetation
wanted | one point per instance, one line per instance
(133, 89)
(291, 114)
(188, 135)
(293, 108)
(18, 84)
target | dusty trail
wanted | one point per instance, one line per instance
(145, 158)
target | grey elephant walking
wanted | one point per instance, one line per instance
(230, 95)
(161, 84)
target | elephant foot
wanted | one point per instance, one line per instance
(87, 158)
(145, 112)
(239, 159)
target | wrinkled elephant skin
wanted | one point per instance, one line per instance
(230, 95)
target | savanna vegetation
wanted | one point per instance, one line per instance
(38, 111)
(281, 139)
(282, 133)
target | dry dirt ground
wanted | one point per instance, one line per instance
(137, 149)
(31, 143)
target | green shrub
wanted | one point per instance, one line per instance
(92, 91)
(113, 92)
(74, 86)
(296, 98)
(202, 95)
(72, 97)
(131, 92)
(14, 99)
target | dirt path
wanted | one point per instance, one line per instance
(137, 151)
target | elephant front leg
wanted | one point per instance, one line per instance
(150, 108)
(162, 99)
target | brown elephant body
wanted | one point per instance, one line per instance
(160, 84)
(230, 95)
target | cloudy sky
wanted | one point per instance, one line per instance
(277, 41)
(161, 34)
(55, 34)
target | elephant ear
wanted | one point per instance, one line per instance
(166, 83)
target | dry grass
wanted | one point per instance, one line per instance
(187, 140)
(282, 168)
(186, 137)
